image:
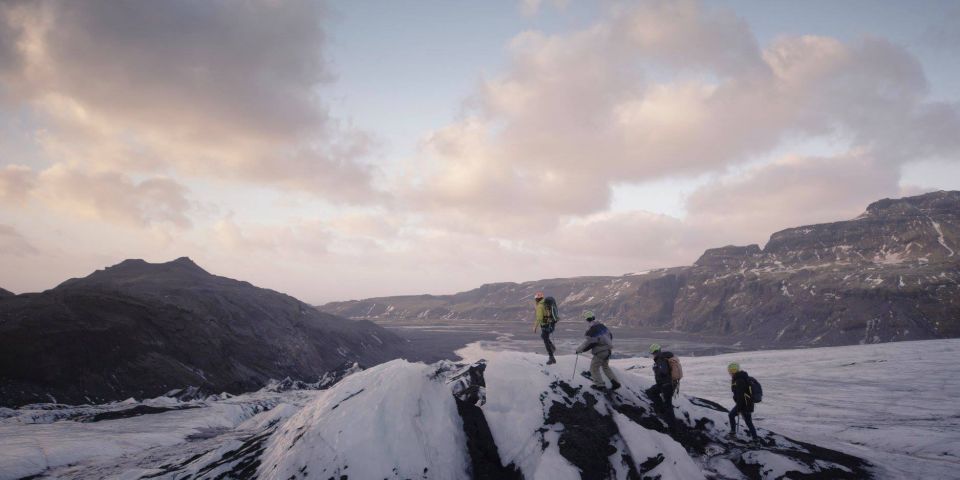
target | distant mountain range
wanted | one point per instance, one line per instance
(893, 273)
(138, 329)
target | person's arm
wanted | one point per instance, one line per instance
(740, 393)
(585, 345)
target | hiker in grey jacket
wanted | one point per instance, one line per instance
(600, 343)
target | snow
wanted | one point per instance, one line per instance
(28, 447)
(940, 238)
(551, 465)
(644, 444)
(394, 420)
(772, 465)
(894, 404)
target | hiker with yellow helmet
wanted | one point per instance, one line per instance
(746, 392)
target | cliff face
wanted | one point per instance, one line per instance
(138, 330)
(892, 273)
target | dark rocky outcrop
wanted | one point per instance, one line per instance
(6, 293)
(892, 273)
(139, 330)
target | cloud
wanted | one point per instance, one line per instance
(944, 33)
(12, 243)
(114, 197)
(301, 239)
(228, 90)
(16, 182)
(532, 7)
(664, 90)
(629, 241)
(790, 192)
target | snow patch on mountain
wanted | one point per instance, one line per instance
(940, 238)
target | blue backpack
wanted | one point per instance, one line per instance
(756, 391)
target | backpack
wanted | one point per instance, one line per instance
(550, 306)
(676, 371)
(756, 391)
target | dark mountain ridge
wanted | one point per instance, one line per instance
(893, 273)
(138, 329)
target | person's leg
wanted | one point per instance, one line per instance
(595, 364)
(748, 419)
(654, 394)
(733, 419)
(607, 370)
(545, 335)
(668, 405)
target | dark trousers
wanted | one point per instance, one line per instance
(747, 418)
(662, 396)
(545, 335)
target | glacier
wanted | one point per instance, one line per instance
(870, 411)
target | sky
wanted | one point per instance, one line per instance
(340, 150)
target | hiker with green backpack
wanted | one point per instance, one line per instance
(746, 393)
(547, 316)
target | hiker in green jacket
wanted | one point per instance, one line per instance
(546, 321)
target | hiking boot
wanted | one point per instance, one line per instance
(552, 360)
(732, 435)
(599, 388)
(614, 384)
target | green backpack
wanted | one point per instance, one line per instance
(550, 308)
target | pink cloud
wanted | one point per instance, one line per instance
(579, 112)
(13, 243)
(212, 89)
(114, 197)
(16, 182)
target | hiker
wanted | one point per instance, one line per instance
(667, 374)
(546, 320)
(740, 384)
(600, 343)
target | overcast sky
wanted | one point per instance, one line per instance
(347, 149)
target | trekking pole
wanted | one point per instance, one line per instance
(575, 367)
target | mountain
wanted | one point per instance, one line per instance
(6, 293)
(893, 273)
(138, 329)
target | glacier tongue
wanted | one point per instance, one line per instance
(501, 415)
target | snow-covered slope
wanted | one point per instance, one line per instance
(494, 415)
(895, 404)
